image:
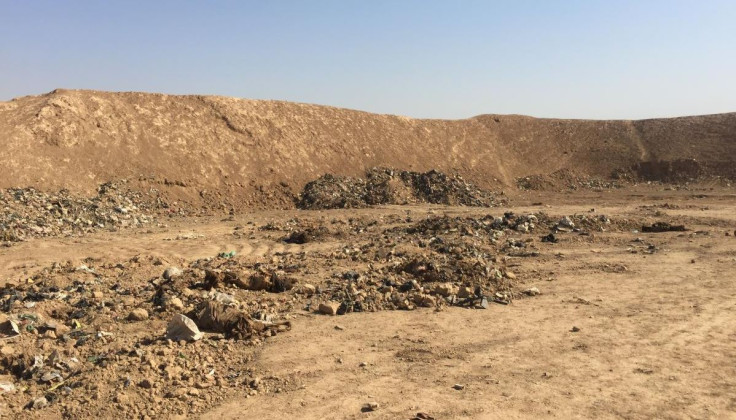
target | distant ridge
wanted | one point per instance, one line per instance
(254, 149)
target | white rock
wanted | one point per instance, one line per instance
(182, 327)
(172, 272)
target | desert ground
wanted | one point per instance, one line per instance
(626, 324)
(207, 257)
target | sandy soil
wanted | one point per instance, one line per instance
(621, 329)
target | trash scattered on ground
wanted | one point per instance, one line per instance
(27, 212)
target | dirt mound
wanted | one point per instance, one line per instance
(227, 154)
(388, 186)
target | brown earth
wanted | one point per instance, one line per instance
(245, 153)
(627, 325)
(552, 304)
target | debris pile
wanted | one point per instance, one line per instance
(144, 337)
(76, 339)
(566, 179)
(388, 186)
(26, 212)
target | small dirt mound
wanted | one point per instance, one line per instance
(388, 186)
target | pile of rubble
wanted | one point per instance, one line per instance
(74, 340)
(388, 186)
(566, 179)
(26, 212)
(137, 339)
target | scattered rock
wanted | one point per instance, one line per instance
(138, 314)
(532, 291)
(458, 387)
(574, 329)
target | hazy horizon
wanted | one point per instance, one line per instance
(422, 59)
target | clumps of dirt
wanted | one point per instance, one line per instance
(27, 212)
(388, 186)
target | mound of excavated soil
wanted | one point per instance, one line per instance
(227, 153)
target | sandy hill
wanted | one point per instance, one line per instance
(258, 149)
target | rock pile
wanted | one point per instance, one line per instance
(569, 180)
(26, 212)
(388, 186)
(74, 340)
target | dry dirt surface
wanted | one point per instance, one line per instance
(552, 305)
(218, 258)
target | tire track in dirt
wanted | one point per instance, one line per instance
(24, 259)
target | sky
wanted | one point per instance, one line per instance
(597, 59)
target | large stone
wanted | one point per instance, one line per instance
(329, 308)
(182, 327)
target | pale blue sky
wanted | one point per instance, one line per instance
(420, 58)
